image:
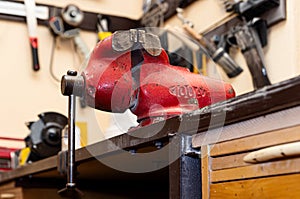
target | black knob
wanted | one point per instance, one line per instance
(72, 72)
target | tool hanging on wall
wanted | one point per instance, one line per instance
(248, 40)
(72, 17)
(32, 31)
(249, 8)
(153, 13)
(102, 27)
(218, 55)
(157, 11)
(250, 36)
(65, 26)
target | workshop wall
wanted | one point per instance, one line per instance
(25, 94)
(281, 54)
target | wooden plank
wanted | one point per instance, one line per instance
(15, 193)
(270, 122)
(258, 170)
(205, 171)
(9, 185)
(256, 142)
(39, 166)
(287, 186)
(226, 162)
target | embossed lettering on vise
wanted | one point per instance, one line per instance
(187, 91)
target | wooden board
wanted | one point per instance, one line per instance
(257, 170)
(270, 122)
(9, 185)
(15, 193)
(278, 187)
(205, 171)
(258, 141)
(227, 162)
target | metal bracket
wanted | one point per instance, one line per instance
(185, 172)
(187, 148)
(62, 162)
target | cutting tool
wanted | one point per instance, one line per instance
(32, 31)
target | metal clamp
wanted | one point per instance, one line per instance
(72, 86)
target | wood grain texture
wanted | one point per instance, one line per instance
(257, 141)
(230, 161)
(9, 185)
(279, 187)
(205, 171)
(14, 193)
(270, 122)
(258, 170)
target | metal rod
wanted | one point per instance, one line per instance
(71, 86)
(71, 142)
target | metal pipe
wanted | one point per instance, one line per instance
(71, 142)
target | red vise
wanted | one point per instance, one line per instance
(152, 89)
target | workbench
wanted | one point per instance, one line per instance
(165, 156)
